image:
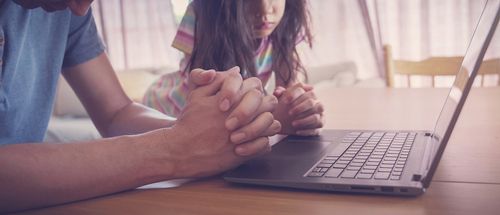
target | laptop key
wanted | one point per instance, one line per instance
(351, 167)
(351, 152)
(345, 159)
(364, 176)
(328, 161)
(389, 166)
(342, 162)
(388, 170)
(392, 155)
(332, 157)
(337, 151)
(324, 165)
(349, 174)
(398, 169)
(341, 166)
(358, 160)
(333, 173)
(389, 159)
(381, 175)
(370, 167)
(323, 170)
(315, 174)
(395, 177)
(377, 160)
(356, 164)
(367, 171)
(371, 163)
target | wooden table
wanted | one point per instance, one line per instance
(467, 180)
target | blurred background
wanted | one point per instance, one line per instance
(348, 47)
(138, 33)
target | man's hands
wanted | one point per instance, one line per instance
(226, 121)
(298, 110)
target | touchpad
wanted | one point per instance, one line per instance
(299, 148)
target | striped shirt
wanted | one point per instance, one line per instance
(168, 94)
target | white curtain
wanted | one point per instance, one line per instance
(421, 28)
(416, 29)
(339, 36)
(138, 34)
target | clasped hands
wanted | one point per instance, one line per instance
(228, 120)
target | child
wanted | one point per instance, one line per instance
(259, 36)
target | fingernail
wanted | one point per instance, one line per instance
(277, 126)
(224, 105)
(232, 123)
(235, 68)
(240, 151)
(238, 137)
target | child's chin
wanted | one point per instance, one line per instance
(261, 34)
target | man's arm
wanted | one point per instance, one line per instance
(198, 145)
(111, 110)
(114, 113)
(34, 175)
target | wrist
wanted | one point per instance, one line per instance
(161, 158)
(172, 158)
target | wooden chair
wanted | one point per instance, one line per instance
(432, 67)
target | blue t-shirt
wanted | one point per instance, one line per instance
(34, 46)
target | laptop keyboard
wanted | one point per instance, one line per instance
(367, 155)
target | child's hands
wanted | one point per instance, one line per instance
(298, 110)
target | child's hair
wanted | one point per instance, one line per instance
(223, 38)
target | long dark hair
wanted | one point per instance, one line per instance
(223, 38)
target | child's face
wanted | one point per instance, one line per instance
(264, 15)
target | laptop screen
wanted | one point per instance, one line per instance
(464, 79)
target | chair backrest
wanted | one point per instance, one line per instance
(432, 67)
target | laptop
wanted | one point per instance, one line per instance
(379, 162)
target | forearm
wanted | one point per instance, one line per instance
(135, 119)
(111, 110)
(34, 175)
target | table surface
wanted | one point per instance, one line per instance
(467, 180)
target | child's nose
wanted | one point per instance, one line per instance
(267, 6)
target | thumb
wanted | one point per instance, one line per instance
(307, 87)
(279, 91)
(200, 77)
